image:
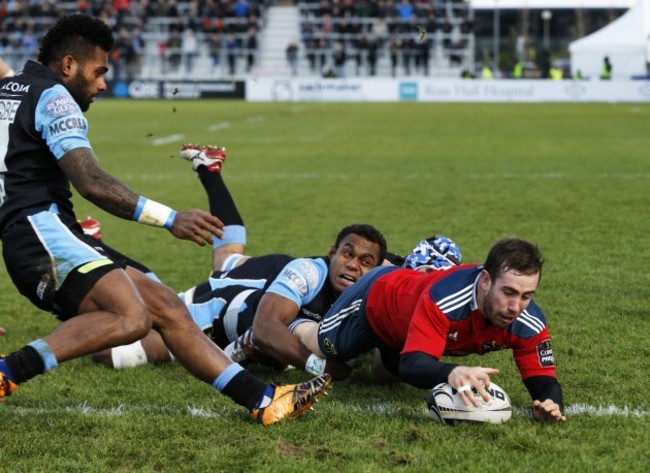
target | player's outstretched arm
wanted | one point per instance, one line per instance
(112, 195)
(547, 411)
(272, 336)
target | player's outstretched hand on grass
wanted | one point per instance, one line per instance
(547, 411)
(197, 225)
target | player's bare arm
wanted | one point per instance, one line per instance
(272, 336)
(464, 378)
(112, 195)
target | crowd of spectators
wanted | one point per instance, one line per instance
(335, 31)
(177, 29)
(174, 33)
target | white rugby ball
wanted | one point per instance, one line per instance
(447, 407)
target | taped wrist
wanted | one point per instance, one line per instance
(153, 213)
(315, 365)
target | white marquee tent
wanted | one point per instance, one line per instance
(625, 41)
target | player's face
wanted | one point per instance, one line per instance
(352, 259)
(87, 81)
(507, 296)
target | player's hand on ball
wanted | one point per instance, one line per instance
(198, 226)
(464, 378)
(547, 411)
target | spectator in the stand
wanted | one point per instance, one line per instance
(251, 49)
(373, 46)
(327, 25)
(292, 57)
(322, 53)
(189, 49)
(135, 66)
(360, 52)
(424, 53)
(171, 9)
(232, 51)
(404, 9)
(394, 46)
(324, 9)
(312, 47)
(241, 8)
(173, 49)
(215, 51)
(408, 51)
(380, 28)
(122, 55)
(432, 22)
(339, 57)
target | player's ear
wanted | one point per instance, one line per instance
(331, 252)
(484, 281)
(68, 66)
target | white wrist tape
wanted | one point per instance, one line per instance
(315, 365)
(151, 212)
(10, 73)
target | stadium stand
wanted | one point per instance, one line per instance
(203, 39)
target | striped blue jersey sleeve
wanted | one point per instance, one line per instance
(60, 121)
(300, 280)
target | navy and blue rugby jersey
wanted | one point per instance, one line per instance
(39, 123)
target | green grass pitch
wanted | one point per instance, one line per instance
(573, 178)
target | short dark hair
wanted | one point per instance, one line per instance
(77, 35)
(368, 232)
(516, 254)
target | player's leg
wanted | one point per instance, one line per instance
(62, 272)
(207, 161)
(201, 357)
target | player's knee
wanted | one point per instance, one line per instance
(136, 323)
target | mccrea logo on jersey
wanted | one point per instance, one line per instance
(68, 125)
(296, 280)
(545, 354)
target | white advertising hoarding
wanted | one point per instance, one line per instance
(452, 90)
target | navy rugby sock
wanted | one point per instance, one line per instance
(240, 386)
(22, 365)
(221, 202)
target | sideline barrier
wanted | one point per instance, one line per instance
(178, 89)
(449, 90)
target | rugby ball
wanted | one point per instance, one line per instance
(447, 407)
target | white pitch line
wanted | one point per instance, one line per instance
(377, 409)
(219, 126)
(255, 119)
(167, 139)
